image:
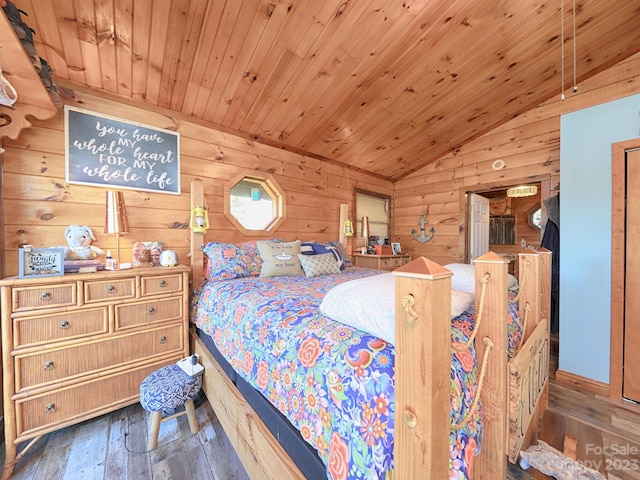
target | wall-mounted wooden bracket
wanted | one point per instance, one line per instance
(33, 98)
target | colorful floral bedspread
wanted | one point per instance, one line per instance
(334, 383)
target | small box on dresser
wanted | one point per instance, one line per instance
(77, 346)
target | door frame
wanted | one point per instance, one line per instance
(465, 213)
(472, 230)
(618, 220)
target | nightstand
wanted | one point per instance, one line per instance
(381, 262)
(77, 346)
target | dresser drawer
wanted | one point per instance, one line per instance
(398, 261)
(50, 411)
(42, 368)
(44, 296)
(143, 313)
(159, 285)
(29, 331)
(108, 290)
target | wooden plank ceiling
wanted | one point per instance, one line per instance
(386, 86)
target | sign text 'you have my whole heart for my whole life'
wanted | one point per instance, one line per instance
(106, 151)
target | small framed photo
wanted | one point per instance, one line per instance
(146, 254)
(41, 262)
(395, 248)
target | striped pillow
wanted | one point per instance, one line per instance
(323, 264)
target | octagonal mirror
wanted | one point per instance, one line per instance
(535, 217)
(254, 204)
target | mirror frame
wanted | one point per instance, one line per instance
(272, 188)
(530, 215)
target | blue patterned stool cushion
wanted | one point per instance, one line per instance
(167, 388)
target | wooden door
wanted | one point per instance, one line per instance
(479, 221)
(631, 372)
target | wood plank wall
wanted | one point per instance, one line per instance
(39, 204)
(530, 147)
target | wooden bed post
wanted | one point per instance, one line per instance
(545, 308)
(197, 239)
(523, 435)
(491, 464)
(529, 283)
(422, 371)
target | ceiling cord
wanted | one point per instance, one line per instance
(575, 85)
(562, 49)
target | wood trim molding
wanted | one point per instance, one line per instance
(582, 383)
(618, 227)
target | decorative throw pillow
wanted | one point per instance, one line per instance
(279, 259)
(252, 255)
(225, 261)
(315, 265)
(343, 253)
(306, 248)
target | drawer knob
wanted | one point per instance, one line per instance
(163, 339)
(48, 365)
(111, 289)
(151, 310)
(50, 408)
(163, 283)
(45, 296)
(64, 325)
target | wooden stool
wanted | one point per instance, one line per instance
(165, 389)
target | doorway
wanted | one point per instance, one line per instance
(624, 376)
(509, 222)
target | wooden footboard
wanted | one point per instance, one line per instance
(423, 359)
(528, 376)
(260, 453)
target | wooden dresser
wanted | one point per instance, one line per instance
(381, 262)
(78, 345)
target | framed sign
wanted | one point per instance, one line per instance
(107, 151)
(41, 262)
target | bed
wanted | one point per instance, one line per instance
(335, 385)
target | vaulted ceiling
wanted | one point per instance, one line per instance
(386, 86)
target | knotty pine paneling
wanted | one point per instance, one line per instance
(530, 147)
(381, 85)
(39, 204)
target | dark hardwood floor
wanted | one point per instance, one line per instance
(113, 447)
(605, 435)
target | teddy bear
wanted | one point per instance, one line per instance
(79, 239)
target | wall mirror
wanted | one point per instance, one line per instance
(255, 204)
(535, 217)
(376, 207)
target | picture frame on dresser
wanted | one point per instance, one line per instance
(40, 262)
(396, 248)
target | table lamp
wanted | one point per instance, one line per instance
(116, 219)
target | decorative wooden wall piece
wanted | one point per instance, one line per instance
(33, 98)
